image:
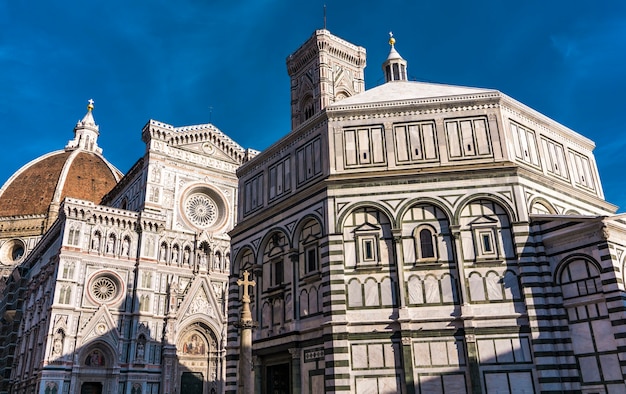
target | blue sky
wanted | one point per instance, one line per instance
(190, 62)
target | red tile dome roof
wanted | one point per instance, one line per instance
(49, 179)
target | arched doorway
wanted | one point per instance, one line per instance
(91, 388)
(198, 360)
(96, 374)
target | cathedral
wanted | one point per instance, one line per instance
(116, 283)
(409, 238)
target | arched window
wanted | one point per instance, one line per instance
(144, 303)
(427, 249)
(65, 295)
(73, 235)
(68, 270)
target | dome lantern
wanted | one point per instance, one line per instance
(86, 133)
(395, 65)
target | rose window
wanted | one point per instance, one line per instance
(103, 288)
(201, 210)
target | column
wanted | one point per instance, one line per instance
(296, 379)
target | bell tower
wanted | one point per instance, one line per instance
(325, 69)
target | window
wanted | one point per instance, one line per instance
(146, 280)
(279, 272)
(364, 146)
(309, 161)
(485, 241)
(308, 108)
(581, 170)
(68, 270)
(415, 142)
(280, 178)
(554, 157)
(427, 248)
(525, 144)
(152, 388)
(368, 249)
(310, 259)
(65, 295)
(253, 193)
(468, 138)
(144, 303)
(73, 235)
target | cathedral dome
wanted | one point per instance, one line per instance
(79, 171)
(50, 178)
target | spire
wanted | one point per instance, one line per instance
(86, 133)
(395, 65)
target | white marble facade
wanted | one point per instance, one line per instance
(425, 238)
(130, 296)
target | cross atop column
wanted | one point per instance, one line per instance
(246, 315)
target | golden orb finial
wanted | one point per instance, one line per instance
(392, 40)
(90, 105)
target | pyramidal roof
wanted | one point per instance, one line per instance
(398, 91)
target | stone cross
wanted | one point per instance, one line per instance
(246, 315)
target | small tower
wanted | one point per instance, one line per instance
(395, 65)
(323, 70)
(86, 133)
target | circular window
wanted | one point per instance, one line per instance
(203, 207)
(105, 287)
(12, 251)
(201, 210)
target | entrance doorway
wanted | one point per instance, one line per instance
(91, 388)
(191, 383)
(278, 379)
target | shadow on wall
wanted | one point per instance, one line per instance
(123, 356)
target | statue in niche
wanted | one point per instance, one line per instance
(186, 257)
(149, 246)
(125, 246)
(140, 351)
(162, 252)
(57, 347)
(217, 262)
(95, 243)
(110, 244)
(175, 255)
(173, 294)
(202, 260)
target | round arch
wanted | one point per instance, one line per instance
(98, 354)
(364, 204)
(268, 237)
(558, 272)
(236, 262)
(424, 201)
(298, 229)
(545, 203)
(484, 196)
